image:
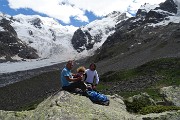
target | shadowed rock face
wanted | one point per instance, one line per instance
(79, 40)
(37, 23)
(169, 6)
(11, 45)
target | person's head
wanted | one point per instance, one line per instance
(70, 64)
(92, 66)
(81, 70)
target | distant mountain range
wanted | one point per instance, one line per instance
(47, 38)
(45, 35)
(34, 37)
(95, 33)
(153, 33)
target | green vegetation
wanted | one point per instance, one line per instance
(137, 104)
(167, 70)
(120, 75)
(153, 92)
(157, 109)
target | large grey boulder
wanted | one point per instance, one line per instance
(137, 102)
(66, 106)
(171, 94)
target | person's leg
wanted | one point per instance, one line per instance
(68, 88)
(79, 84)
(74, 85)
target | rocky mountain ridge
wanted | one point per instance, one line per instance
(153, 33)
(11, 45)
(87, 37)
(43, 35)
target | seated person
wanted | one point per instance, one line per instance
(70, 83)
(91, 76)
(80, 72)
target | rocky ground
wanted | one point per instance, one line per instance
(67, 106)
(135, 84)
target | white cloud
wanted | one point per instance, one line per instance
(137, 3)
(64, 9)
(51, 8)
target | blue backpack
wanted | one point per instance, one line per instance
(98, 98)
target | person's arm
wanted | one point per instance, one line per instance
(85, 76)
(97, 78)
(73, 79)
(73, 74)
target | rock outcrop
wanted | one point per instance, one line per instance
(67, 106)
(171, 94)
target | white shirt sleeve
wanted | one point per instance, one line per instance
(97, 77)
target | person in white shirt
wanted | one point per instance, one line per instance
(91, 76)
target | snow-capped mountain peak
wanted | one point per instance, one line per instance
(177, 2)
(44, 34)
(147, 7)
(90, 37)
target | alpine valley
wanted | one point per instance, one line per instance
(133, 55)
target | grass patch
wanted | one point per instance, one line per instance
(168, 69)
(118, 76)
(135, 104)
(102, 87)
(157, 109)
(153, 92)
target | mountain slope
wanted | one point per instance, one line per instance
(11, 47)
(153, 33)
(45, 35)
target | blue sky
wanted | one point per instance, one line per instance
(71, 12)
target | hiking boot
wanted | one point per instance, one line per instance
(78, 91)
